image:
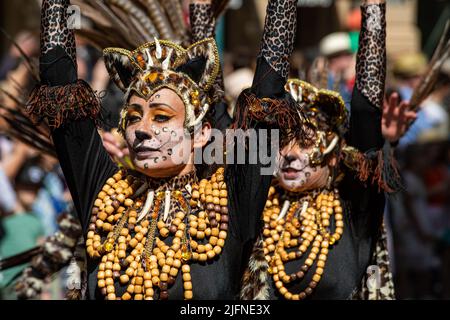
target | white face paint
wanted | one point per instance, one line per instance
(159, 144)
(295, 171)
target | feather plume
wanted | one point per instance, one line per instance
(428, 81)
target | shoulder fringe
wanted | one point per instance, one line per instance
(376, 167)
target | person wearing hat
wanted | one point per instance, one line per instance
(408, 70)
(432, 121)
(337, 50)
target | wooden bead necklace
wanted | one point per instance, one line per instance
(291, 230)
(127, 230)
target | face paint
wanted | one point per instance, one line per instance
(155, 132)
(295, 172)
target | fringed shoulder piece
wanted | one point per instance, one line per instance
(377, 167)
(371, 58)
(279, 35)
(58, 104)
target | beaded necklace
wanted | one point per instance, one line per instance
(291, 230)
(128, 229)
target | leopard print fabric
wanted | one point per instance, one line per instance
(371, 59)
(279, 34)
(202, 21)
(203, 25)
(378, 283)
(175, 183)
(54, 28)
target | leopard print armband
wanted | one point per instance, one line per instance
(279, 34)
(202, 21)
(55, 28)
(371, 59)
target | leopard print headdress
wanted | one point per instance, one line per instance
(161, 64)
(325, 110)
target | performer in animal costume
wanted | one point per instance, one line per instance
(158, 231)
(323, 217)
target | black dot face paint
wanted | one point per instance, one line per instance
(295, 171)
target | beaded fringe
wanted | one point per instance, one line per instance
(58, 104)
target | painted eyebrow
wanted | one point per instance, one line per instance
(136, 106)
(156, 104)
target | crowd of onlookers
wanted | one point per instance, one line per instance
(33, 192)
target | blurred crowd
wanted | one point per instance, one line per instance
(33, 192)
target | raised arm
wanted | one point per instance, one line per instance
(203, 23)
(70, 107)
(368, 94)
(276, 48)
(365, 133)
(263, 107)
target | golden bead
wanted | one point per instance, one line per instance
(111, 296)
(101, 283)
(187, 285)
(124, 279)
(188, 295)
(164, 277)
(126, 296)
(186, 256)
(186, 268)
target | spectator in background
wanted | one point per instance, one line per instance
(433, 116)
(413, 230)
(408, 70)
(337, 50)
(22, 228)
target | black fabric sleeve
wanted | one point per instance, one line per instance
(248, 185)
(365, 133)
(85, 163)
(367, 202)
